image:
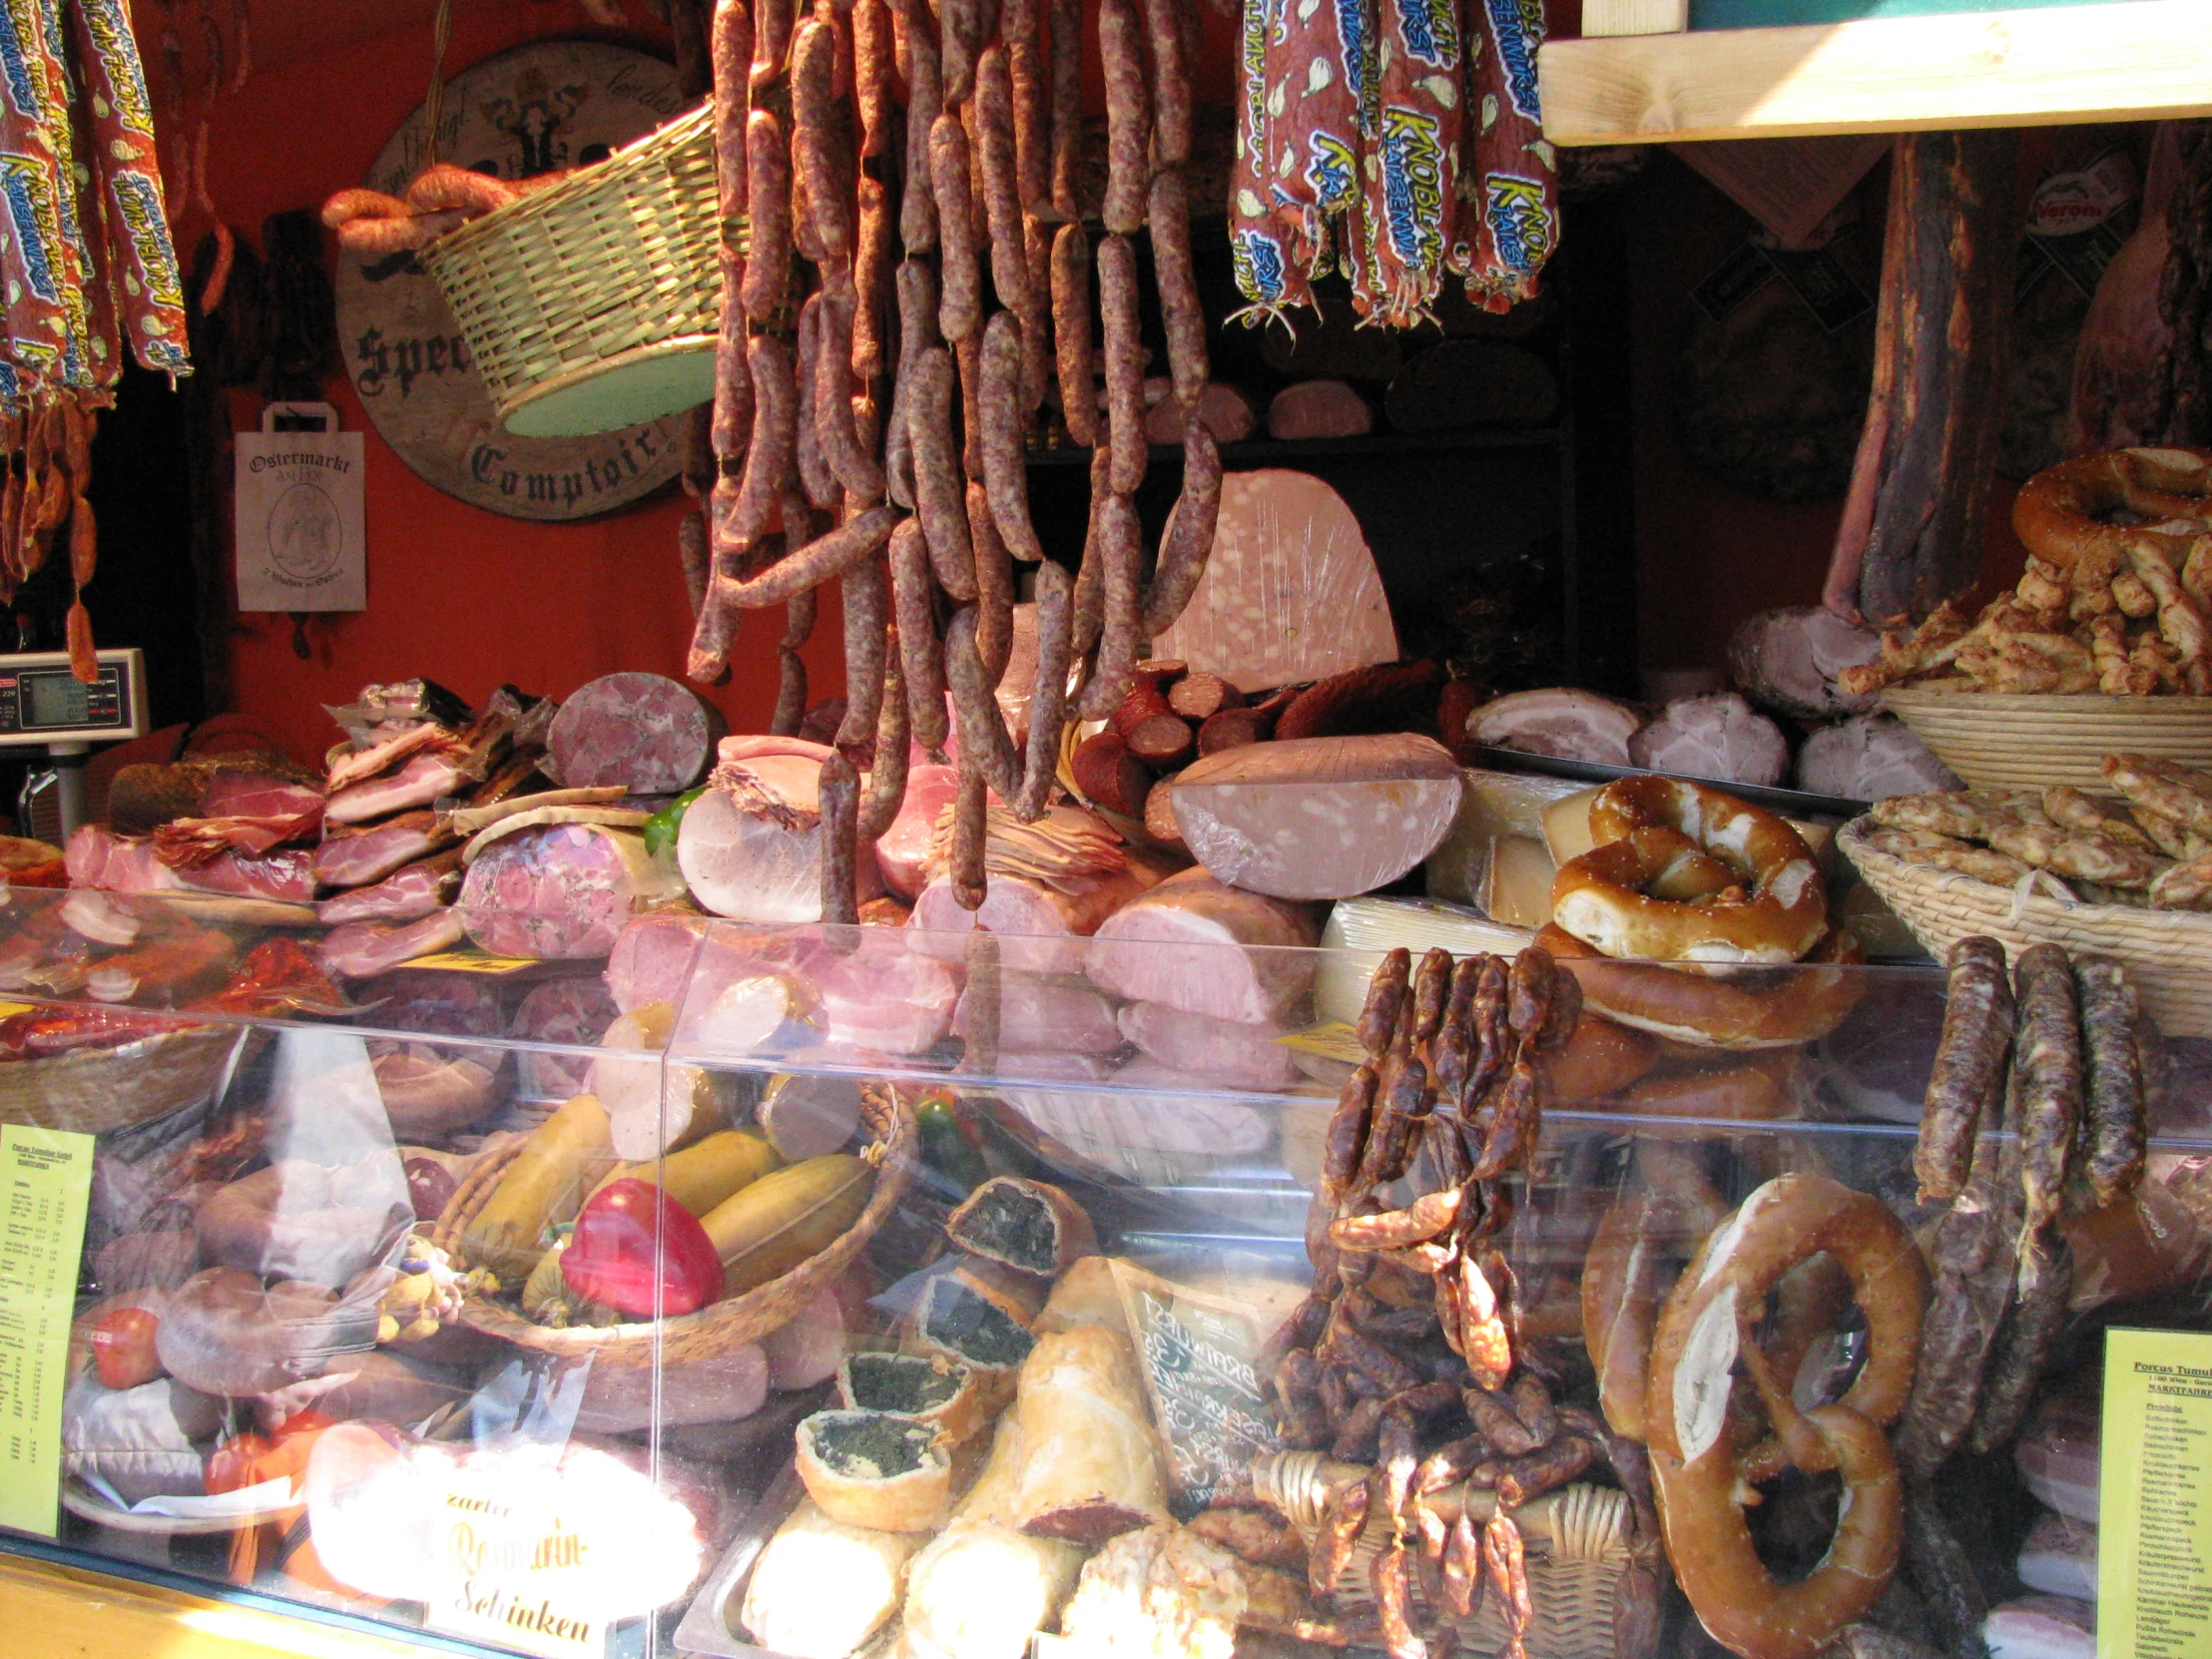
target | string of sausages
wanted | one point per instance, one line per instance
(2035, 1109)
(87, 265)
(911, 286)
(1450, 1102)
(1395, 143)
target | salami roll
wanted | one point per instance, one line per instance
(1128, 118)
(1118, 316)
(1036, 320)
(1071, 331)
(960, 278)
(1005, 464)
(871, 74)
(767, 266)
(1171, 82)
(1509, 219)
(959, 43)
(871, 265)
(1032, 120)
(916, 285)
(731, 52)
(823, 135)
(967, 355)
(647, 733)
(1414, 158)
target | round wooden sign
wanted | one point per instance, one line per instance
(553, 104)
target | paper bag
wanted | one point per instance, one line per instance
(299, 499)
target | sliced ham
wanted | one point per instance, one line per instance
(185, 842)
(1870, 757)
(1318, 817)
(361, 949)
(1222, 409)
(1219, 1051)
(1791, 661)
(236, 794)
(751, 846)
(683, 958)
(1561, 722)
(1041, 1012)
(643, 731)
(1291, 592)
(243, 786)
(355, 858)
(1206, 948)
(561, 891)
(903, 853)
(97, 857)
(1716, 735)
(420, 781)
(1318, 410)
(882, 997)
(392, 748)
(412, 890)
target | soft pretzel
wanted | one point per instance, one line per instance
(2064, 513)
(1707, 1007)
(1658, 883)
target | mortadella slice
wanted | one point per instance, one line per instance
(1318, 817)
(1290, 591)
(1206, 948)
(642, 731)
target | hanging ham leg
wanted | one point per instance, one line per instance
(2120, 356)
(1912, 530)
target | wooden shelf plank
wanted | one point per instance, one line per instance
(2139, 60)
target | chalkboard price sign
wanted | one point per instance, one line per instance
(1197, 1351)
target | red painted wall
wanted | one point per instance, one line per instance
(461, 595)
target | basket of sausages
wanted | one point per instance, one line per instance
(2126, 872)
(2108, 631)
(593, 304)
(688, 1248)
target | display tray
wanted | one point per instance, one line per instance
(1789, 802)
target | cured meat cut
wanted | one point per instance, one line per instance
(355, 858)
(573, 1012)
(1318, 817)
(1318, 410)
(1291, 592)
(361, 949)
(419, 781)
(903, 851)
(412, 890)
(1219, 1051)
(2119, 365)
(1561, 722)
(1046, 884)
(1791, 662)
(145, 796)
(882, 997)
(97, 857)
(1717, 735)
(1911, 535)
(646, 733)
(560, 891)
(1222, 409)
(1870, 757)
(1206, 948)
(664, 954)
(752, 844)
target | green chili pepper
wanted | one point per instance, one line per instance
(661, 827)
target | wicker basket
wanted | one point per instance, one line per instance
(594, 305)
(1999, 742)
(96, 1091)
(1578, 1541)
(2168, 953)
(721, 1325)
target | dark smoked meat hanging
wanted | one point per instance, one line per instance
(1911, 535)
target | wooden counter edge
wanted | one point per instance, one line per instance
(2147, 60)
(50, 1611)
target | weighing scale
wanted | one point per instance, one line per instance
(43, 705)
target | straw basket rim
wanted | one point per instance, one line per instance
(2167, 952)
(719, 1326)
(2058, 704)
(2003, 740)
(96, 1091)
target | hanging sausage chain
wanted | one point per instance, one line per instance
(1397, 143)
(86, 264)
(910, 285)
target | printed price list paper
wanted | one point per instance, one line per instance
(2154, 1549)
(45, 1180)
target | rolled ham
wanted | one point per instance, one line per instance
(1221, 1051)
(902, 853)
(1870, 757)
(1040, 1011)
(1791, 661)
(1318, 817)
(1566, 723)
(1716, 735)
(1318, 410)
(561, 891)
(1206, 948)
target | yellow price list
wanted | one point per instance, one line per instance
(2154, 1545)
(45, 1180)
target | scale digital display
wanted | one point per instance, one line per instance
(41, 701)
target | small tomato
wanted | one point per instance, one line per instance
(630, 1238)
(231, 1466)
(122, 1347)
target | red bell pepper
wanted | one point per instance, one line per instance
(122, 1347)
(632, 1238)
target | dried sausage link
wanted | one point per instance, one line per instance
(994, 587)
(823, 557)
(1128, 123)
(917, 286)
(865, 587)
(1048, 693)
(995, 167)
(839, 794)
(887, 779)
(960, 278)
(918, 212)
(1168, 213)
(1114, 669)
(790, 690)
(858, 470)
(1071, 331)
(1005, 464)
(772, 455)
(940, 497)
(1970, 1065)
(1171, 82)
(1118, 314)
(1067, 108)
(825, 146)
(2113, 1130)
(871, 73)
(921, 653)
(815, 476)
(767, 266)
(980, 726)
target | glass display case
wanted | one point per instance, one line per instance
(832, 1290)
